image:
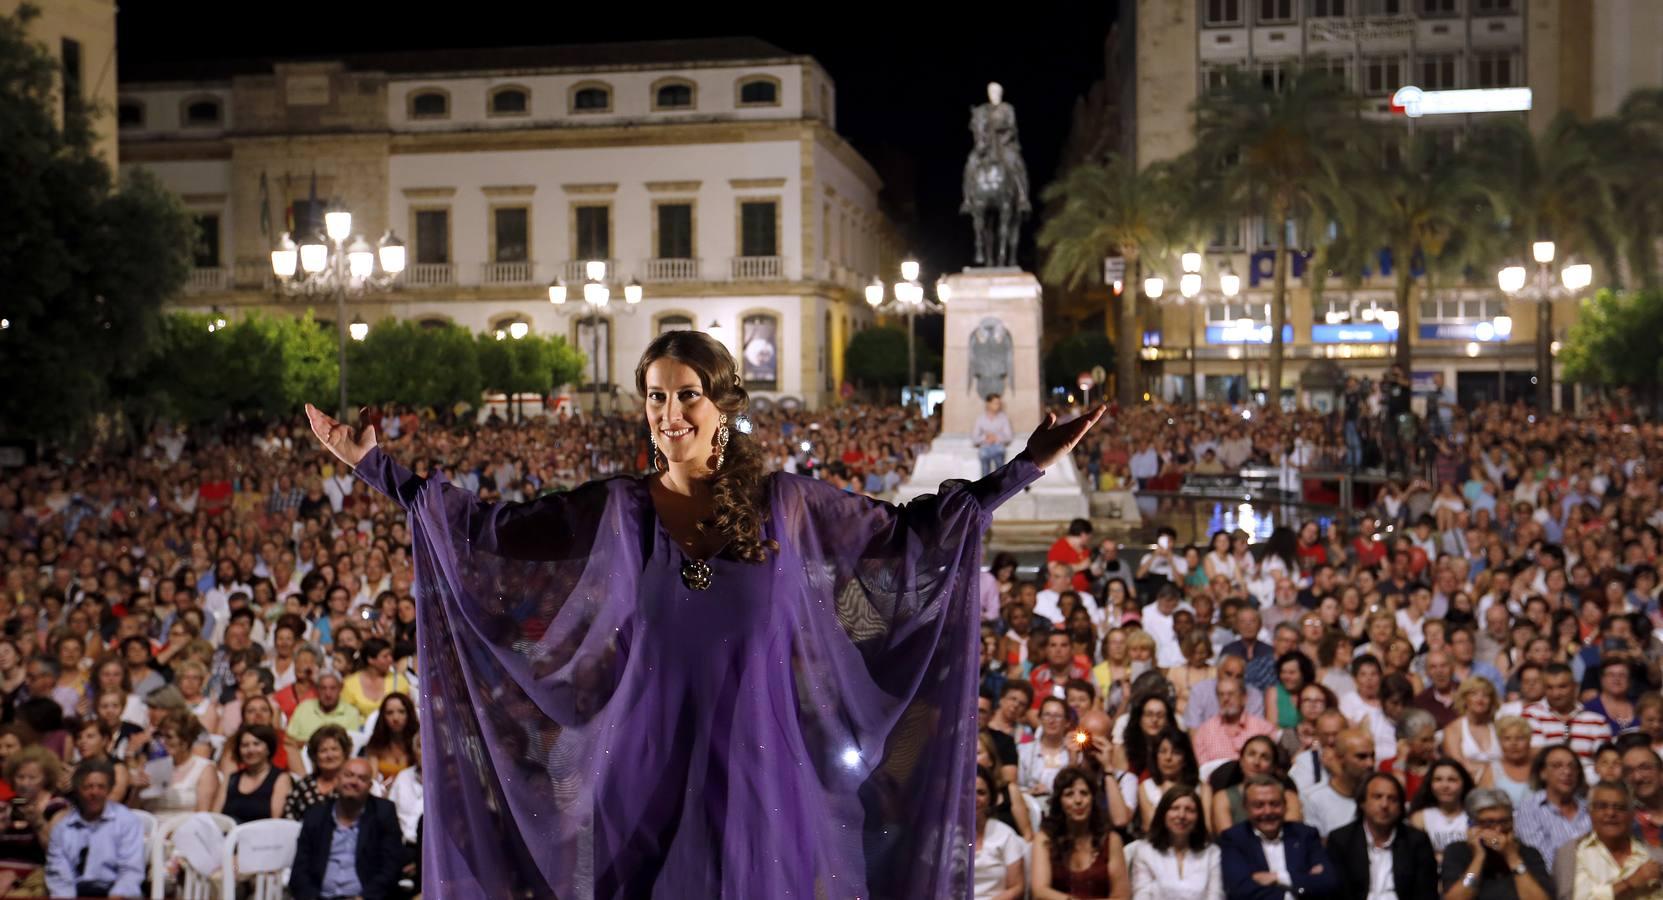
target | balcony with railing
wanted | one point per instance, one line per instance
(422, 275)
(572, 271)
(208, 279)
(517, 272)
(758, 268)
(670, 269)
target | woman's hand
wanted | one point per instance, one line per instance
(339, 439)
(1050, 441)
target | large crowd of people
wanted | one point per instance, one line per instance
(222, 621)
(1457, 696)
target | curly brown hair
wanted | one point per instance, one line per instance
(740, 487)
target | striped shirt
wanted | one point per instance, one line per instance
(1584, 730)
(1541, 825)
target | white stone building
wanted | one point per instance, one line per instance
(710, 171)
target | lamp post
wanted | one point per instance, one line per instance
(1498, 330)
(909, 301)
(1192, 293)
(596, 295)
(330, 263)
(1515, 282)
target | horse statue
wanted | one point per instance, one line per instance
(995, 181)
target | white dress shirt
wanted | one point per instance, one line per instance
(1382, 881)
(1276, 856)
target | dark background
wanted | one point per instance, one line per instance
(906, 73)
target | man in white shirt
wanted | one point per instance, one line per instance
(1059, 578)
(337, 488)
(1162, 560)
(1157, 622)
(1332, 803)
(1379, 857)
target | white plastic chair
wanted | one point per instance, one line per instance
(263, 850)
(1212, 767)
(193, 885)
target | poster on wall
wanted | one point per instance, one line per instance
(602, 353)
(760, 350)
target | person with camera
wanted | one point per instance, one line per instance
(32, 772)
(97, 848)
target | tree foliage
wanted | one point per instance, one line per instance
(877, 357)
(86, 269)
(1077, 353)
(258, 366)
(1107, 209)
(1617, 341)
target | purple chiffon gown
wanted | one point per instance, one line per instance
(593, 728)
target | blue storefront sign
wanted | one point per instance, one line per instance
(1231, 334)
(1451, 331)
(1360, 333)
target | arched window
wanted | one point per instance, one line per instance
(510, 327)
(759, 90)
(130, 114)
(433, 323)
(674, 322)
(510, 101)
(200, 112)
(673, 94)
(429, 104)
(759, 350)
(591, 97)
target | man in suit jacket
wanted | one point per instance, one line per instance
(1381, 838)
(350, 846)
(1265, 858)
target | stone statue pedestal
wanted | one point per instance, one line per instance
(1011, 297)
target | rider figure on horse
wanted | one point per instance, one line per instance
(993, 127)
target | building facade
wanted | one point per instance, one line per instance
(80, 34)
(711, 172)
(1583, 56)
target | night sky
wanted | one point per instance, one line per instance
(906, 73)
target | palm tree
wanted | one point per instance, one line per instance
(1550, 186)
(1100, 210)
(1405, 193)
(1270, 151)
(1630, 144)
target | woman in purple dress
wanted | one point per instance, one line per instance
(707, 682)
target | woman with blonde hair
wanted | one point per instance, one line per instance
(1471, 739)
(1511, 773)
(1114, 674)
(1198, 667)
(191, 677)
(1140, 646)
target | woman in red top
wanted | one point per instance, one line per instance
(1310, 551)
(1076, 853)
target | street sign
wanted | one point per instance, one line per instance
(1099, 375)
(1086, 382)
(1114, 269)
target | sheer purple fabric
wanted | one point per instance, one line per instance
(593, 728)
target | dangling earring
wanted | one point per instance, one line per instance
(721, 441)
(657, 457)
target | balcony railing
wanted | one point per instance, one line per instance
(253, 274)
(200, 281)
(507, 272)
(758, 268)
(573, 274)
(430, 274)
(671, 270)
